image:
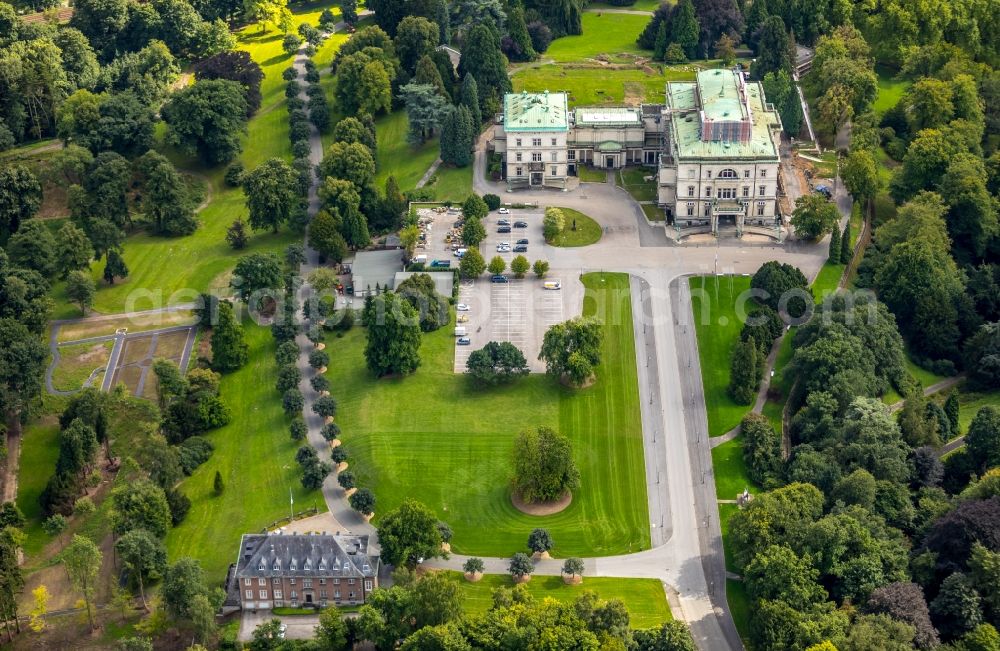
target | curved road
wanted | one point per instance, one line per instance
(685, 530)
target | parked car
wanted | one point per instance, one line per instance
(503, 229)
(503, 222)
(499, 278)
(520, 224)
(521, 248)
(504, 211)
(552, 284)
(523, 241)
(825, 191)
(464, 341)
(462, 318)
(462, 307)
(503, 246)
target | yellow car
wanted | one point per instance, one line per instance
(462, 318)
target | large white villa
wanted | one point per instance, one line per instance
(714, 144)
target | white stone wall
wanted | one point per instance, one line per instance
(545, 148)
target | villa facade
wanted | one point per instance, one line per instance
(714, 144)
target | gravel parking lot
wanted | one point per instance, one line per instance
(518, 311)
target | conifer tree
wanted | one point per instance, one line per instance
(834, 255)
(229, 350)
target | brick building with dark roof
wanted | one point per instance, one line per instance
(292, 570)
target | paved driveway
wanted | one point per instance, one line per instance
(300, 627)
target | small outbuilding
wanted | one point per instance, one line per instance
(372, 269)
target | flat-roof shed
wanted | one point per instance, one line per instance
(372, 269)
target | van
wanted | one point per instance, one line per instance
(460, 331)
(552, 284)
(420, 259)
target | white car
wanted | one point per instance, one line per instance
(504, 211)
(462, 307)
(503, 246)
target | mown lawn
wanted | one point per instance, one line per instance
(602, 34)
(739, 606)
(970, 404)
(395, 155)
(890, 91)
(39, 451)
(590, 174)
(713, 303)
(644, 598)
(436, 437)
(173, 270)
(601, 86)
(726, 511)
(730, 471)
(256, 457)
(633, 179)
(580, 230)
(639, 5)
(452, 183)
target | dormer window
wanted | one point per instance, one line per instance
(261, 566)
(322, 565)
(292, 566)
(277, 566)
(307, 566)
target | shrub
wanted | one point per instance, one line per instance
(319, 383)
(54, 524)
(234, 174)
(290, 74)
(346, 480)
(298, 429)
(330, 431)
(492, 201)
(319, 359)
(474, 565)
(363, 501)
(292, 402)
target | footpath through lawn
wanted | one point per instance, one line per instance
(436, 437)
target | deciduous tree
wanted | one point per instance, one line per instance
(544, 469)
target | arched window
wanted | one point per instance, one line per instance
(727, 174)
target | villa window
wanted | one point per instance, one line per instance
(249, 594)
(307, 583)
(275, 580)
(263, 594)
(691, 173)
(762, 190)
(322, 594)
(690, 190)
(763, 174)
(517, 142)
(336, 595)
(690, 210)
(760, 208)
(368, 586)
(277, 594)
(519, 171)
(554, 171)
(708, 173)
(727, 193)
(295, 595)
(322, 581)
(727, 174)
(536, 157)
(554, 156)
(350, 581)
(554, 142)
(291, 581)
(746, 191)
(746, 174)
(261, 566)
(571, 154)
(261, 581)
(708, 191)
(536, 142)
(518, 156)
(246, 581)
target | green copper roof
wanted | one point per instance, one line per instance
(609, 145)
(535, 112)
(717, 98)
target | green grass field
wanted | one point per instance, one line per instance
(257, 460)
(739, 606)
(39, 451)
(971, 403)
(594, 86)
(452, 183)
(730, 472)
(653, 212)
(633, 180)
(396, 157)
(713, 303)
(175, 269)
(587, 230)
(890, 91)
(590, 174)
(644, 598)
(602, 34)
(437, 438)
(639, 5)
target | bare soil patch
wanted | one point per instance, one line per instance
(541, 508)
